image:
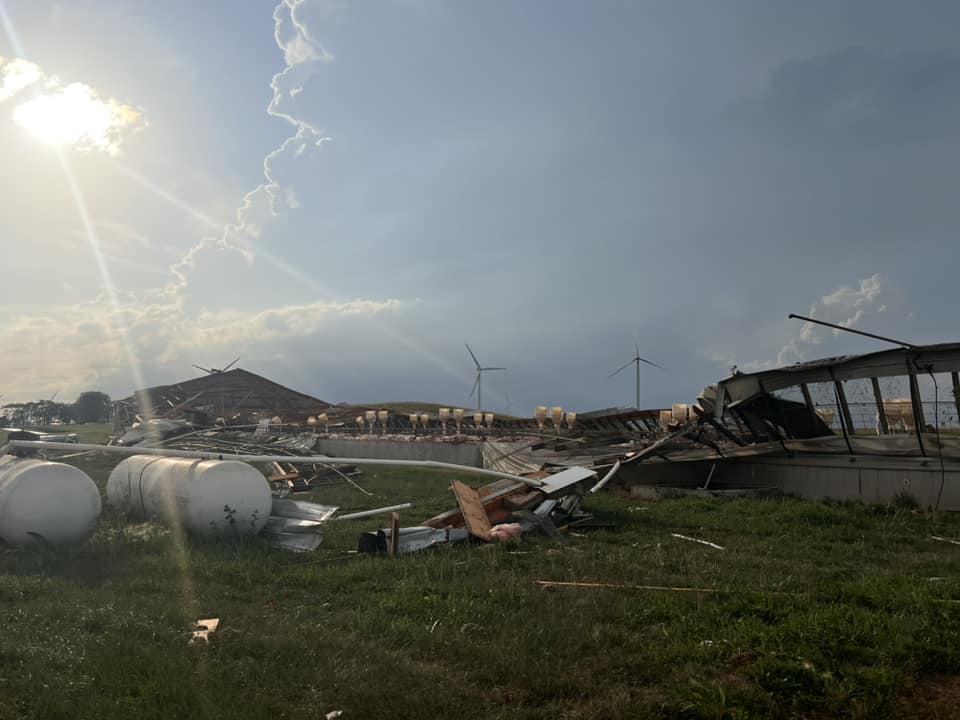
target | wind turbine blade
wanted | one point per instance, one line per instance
(492, 369)
(209, 372)
(475, 383)
(475, 361)
(637, 353)
(231, 364)
(650, 362)
(620, 369)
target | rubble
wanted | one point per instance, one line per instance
(203, 629)
(877, 427)
(545, 502)
(501, 511)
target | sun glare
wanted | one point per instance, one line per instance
(74, 115)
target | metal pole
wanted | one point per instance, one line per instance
(371, 513)
(793, 316)
(637, 361)
(882, 426)
(292, 459)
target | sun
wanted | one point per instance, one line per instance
(74, 115)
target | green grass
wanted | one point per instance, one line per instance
(87, 433)
(827, 611)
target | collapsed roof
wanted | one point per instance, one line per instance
(751, 414)
(925, 359)
(225, 394)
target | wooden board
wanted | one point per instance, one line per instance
(394, 533)
(474, 516)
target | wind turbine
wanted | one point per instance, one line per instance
(216, 371)
(636, 360)
(478, 385)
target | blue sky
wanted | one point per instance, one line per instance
(551, 182)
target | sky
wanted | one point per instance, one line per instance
(343, 194)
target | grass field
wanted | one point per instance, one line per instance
(823, 611)
(89, 433)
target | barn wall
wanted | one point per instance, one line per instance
(816, 477)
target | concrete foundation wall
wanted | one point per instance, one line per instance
(817, 477)
(460, 454)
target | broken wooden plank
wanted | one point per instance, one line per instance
(395, 534)
(204, 628)
(474, 516)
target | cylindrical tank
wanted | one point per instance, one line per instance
(205, 497)
(46, 502)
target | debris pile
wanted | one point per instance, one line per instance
(296, 525)
(499, 512)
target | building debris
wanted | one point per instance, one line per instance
(474, 516)
(506, 532)
(234, 397)
(203, 629)
(376, 511)
(770, 430)
(501, 511)
(410, 539)
(545, 502)
(557, 583)
(696, 540)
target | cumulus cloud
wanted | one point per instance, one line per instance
(73, 115)
(302, 54)
(111, 341)
(73, 348)
(294, 38)
(15, 75)
(846, 306)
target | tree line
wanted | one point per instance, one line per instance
(91, 406)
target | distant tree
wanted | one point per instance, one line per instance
(19, 414)
(92, 406)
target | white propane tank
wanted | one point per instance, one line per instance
(206, 497)
(45, 502)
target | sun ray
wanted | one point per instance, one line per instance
(93, 240)
(169, 197)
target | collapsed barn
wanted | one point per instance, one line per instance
(874, 427)
(233, 397)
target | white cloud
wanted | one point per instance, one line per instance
(73, 348)
(93, 344)
(71, 115)
(296, 41)
(866, 293)
(845, 306)
(15, 75)
(302, 53)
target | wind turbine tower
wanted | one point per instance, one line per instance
(636, 360)
(478, 385)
